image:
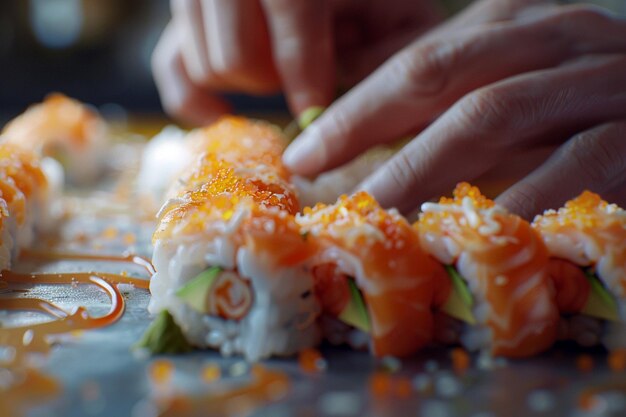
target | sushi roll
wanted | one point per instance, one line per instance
(587, 242)
(371, 274)
(162, 160)
(28, 189)
(503, 301)
(6, 240)
(252, 149)
(228, 253)
(66, 130)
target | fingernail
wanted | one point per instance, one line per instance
(306, 154)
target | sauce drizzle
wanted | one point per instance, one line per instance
(36, 337)
(127, 258)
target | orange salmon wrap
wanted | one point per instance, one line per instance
(66, 130)
(377, 251)
(587, 242)
(27, 190)
(228, 253)
(503, 262)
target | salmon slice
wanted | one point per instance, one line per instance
(505, 264)
(380, 251)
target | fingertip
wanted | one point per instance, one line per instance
(306, 155)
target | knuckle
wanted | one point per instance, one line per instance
(339, 123)
(582, 14)
(425, 68)
(596, 156)
(402, 171)
(494, 110)
(578, 18)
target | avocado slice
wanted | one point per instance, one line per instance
(355, 312)
(309, 115)
(196, 291)
(600, 303)
(459, 303)
(163, 336)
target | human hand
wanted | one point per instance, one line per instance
(264, 46)
(500, 80)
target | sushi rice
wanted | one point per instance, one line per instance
(234, 209)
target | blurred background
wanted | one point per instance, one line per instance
(99, 52)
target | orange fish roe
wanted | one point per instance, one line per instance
(380, 384)
(226, 181)
(463, 190)
(129, 238)
(460, 360)
(584, 363)
(588, 231)
(587, 213)
(356, 210)
(617, 360)
(239, 170)
(582, 210)
(58, 116)
(383, 384)
(110, 233)
(211, 373)
(403, 388)
(161, 371)
(311, 361)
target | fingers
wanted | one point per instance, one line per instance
(593, 160)
(187, 21)
(487, 125)
(360, 61)
(485, 11)
(301, 34)
(238, 45)
(211, 46)
(180, 97)
(423, 80)
(384, 29)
